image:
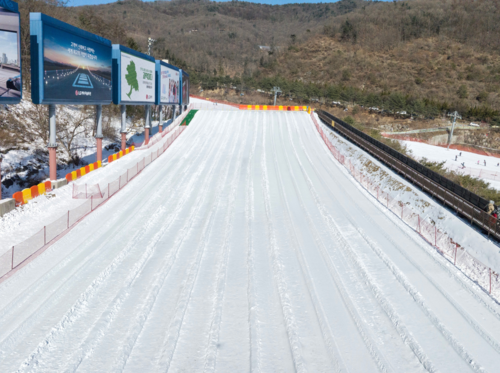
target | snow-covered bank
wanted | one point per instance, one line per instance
(460, 231)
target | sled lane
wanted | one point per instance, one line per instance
(245, 247)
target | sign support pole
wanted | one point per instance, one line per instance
(147, 125)
(123, 110)
(160, 119)
(1, 177)
(99, 136)
(52, 143)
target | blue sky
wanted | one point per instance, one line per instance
(92, 2)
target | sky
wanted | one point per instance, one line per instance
(274, 2)
(8, 44)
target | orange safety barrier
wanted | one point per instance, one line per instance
(18, 196)
(34, 191)
(48, 186)
(95, 165)
(41, 188)
(78, 174)
(91, 167)
(127, 151)
(120, 154)
(98, 164)
(26, 195)
(74, 175)
(69, 177)
(87, 169)
(82, 171)
(110, 159)
(114, 157)
(132, 148)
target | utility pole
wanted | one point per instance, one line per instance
(455, 115)
(276, 90)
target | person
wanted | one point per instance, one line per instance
(485, 162)
(463, 164)
(460, 153)
(490, 208)
(455, 158)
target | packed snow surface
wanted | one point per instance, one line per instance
(477, 165)
(245, 247)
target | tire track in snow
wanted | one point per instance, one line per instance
(69, 278)
(82, 304)
(278, 275)
(89, 345)
(459, 349)
(211, 350)
(383, 302)
(253, 325)
(170, 343)
(332, 347)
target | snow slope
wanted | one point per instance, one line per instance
(245, 247)
(474, 163)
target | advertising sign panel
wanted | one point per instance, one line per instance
(74, 66)
(137, 79)
(185, 88)
(169, 84)
(134, 77)
(10, 53)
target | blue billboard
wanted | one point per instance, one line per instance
(68, 65)
(10, 53)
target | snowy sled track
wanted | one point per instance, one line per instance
(245, 247)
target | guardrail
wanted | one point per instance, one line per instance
(434, 187)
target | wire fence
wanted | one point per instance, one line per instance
(477, 271)
(94, 196)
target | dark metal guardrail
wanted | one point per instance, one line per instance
(464, 202)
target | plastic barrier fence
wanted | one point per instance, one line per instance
(94, 197)
(469, 265)
(278, 108)
(120, 154)
(74, 175)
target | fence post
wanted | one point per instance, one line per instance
(68, 221)
(45, 235)
(12, 262)
(402, 207)
(418, 227)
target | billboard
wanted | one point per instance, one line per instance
(70, 65)
(10, 53)
(135, 77)
(168, 84)
(185, 88)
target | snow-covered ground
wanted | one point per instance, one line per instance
(474, 163)
(245, 247)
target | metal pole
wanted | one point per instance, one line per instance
(455, 114)
(52, 143)
(123, 110)
(1, 177)
(160, 119)
(99, 136)
(147, 125)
